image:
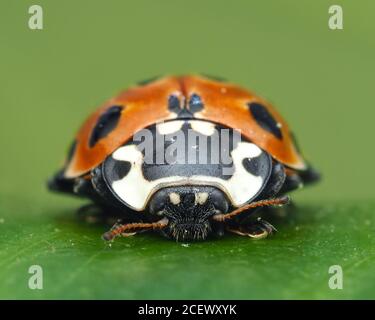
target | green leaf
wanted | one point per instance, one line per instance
(293, 263)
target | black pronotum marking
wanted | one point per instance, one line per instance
(259, 166)
(265, 119)
(195, 103)
(116, 170)
(106, 123)
(176, 164)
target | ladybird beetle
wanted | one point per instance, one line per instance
(215, 153)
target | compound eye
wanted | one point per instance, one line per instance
(158, 201)
(219, 200)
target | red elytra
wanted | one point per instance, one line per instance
(144, 105)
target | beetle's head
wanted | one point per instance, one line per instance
(188, 210)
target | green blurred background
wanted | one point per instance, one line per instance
(321, 80)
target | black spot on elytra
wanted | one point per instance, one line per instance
(195, 103)
(294, 139)
(71, 151)
(106, 123)
(174, 104)
(212, 77)
(147, 81)
(265, 119)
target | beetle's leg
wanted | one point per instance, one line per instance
(258, 230)
(117, 225)
(59, 183)
(132, 228)
(90, 213)
(128, 234)
(93, 213)
(295, 180)
(261, 203)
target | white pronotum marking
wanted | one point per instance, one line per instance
(203, 127)
(175, 198)
(201, 197)
(169, 127)
(135, 190)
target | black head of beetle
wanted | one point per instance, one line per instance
(189, 210)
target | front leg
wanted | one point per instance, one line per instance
(259, 229)
(130, 229)
(93, 213)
